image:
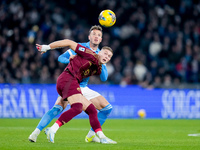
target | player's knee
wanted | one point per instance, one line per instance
(91, 110)
(77, 107)
(58, 108)
(107, 110)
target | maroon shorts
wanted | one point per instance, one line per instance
(67, 85)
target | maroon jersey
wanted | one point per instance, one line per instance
(84, 64)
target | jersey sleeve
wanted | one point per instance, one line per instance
(64, 58)
(104, 73)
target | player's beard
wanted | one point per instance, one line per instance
(94, 44)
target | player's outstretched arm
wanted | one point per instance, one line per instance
(57, 44)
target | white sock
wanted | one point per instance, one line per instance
(37, 131)
(90, 133)
(55, 127)
(100, 134)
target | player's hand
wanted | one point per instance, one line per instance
(42, 48)
(39, 47)
(72, 57)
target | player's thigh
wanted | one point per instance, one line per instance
(79, 98)
(61, 102)
(99, 102)
(76, 98)
(96, 98)
(85, 103)
(89, 93)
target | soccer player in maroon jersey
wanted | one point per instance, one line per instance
(86, 63)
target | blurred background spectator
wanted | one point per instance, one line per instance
(156, 42)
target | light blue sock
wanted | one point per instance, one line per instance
(103, 114)
(48, 117)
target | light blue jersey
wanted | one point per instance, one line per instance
(64, 58)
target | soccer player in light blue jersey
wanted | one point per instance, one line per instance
(104, 107)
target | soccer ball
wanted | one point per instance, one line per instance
(142, 113)
(107, 18)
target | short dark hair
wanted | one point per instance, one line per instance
(108, 48)
(96, 27)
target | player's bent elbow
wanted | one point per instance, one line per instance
(60, 59)
(63, 60)
(103, 79)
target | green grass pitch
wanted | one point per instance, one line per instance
(131, 134)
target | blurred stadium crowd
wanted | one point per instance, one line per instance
(155, 42)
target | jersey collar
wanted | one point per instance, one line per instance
(88, 46)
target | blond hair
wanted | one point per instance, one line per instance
(96, 27)
(108, 48)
